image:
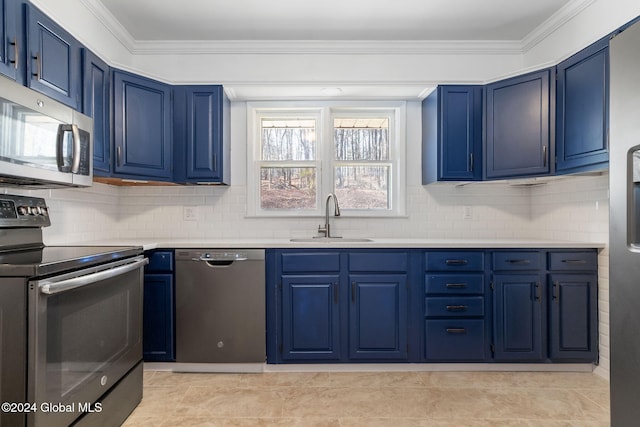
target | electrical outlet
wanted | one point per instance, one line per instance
(467, 213)
(190, 213)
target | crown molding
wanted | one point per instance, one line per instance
(329, 47)
(346, 47)
(110, 23)
(555, 21)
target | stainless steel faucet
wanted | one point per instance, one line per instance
(326, 230)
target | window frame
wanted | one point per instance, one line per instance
(325, 161)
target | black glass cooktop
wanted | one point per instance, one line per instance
(58, 259)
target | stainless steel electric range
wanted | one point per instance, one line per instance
(70, 325)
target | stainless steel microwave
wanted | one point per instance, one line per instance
(43, 143)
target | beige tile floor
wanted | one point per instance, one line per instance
(373, 399)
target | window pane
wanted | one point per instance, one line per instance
(362, 187)
(361, 138)
(288, 139)
(287, 188)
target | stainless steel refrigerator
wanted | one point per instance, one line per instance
(624, 229)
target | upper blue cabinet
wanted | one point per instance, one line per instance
(201, 134)
(582, 110)
(12, 44)
(452, 134)
(142, 126)
(96, 96)
(53, 65)
(519, 141)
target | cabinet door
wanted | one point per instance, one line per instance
(158, 318)
(142, 127)
(96, 90)
(378, 316)
(53, 67)
(518, 317)
(518, 138)
(199, 130)
(582, 110)
(452, 134)
(310, 317)
(573, 317)
(11, 43)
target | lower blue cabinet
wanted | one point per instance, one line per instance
(378, 316)
(440, 306)
(518, 317)
(310, 317)
(158, 318)
(337, 306)
(456, 340)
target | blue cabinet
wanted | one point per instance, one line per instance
(545, 305)
(201, 134)
(12, 42)
(310, 317)
(518, 317)
(159, 308)
(582, 110)
(573, 314)
(142, 119)
(455, 307)
(519, 124)
(378, 316)
(53, 65)
(452, 134)
(337, 306)
(96, 103)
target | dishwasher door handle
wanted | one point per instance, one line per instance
(218, 263)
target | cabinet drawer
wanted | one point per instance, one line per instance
(455, 340)
(310, 262)
(525, 260)
(454, 283)
(377, 261)
(160, 262)
(454, 306)
(573, 261)
(454, 261)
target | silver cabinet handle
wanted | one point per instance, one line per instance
(544, 156)
(119, 156)
(456, 330)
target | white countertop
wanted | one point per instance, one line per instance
(260, 243)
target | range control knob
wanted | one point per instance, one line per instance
(23, 210)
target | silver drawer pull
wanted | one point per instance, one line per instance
(456, 308)
(519, 261)
(574, 261)
(456, 331)
(456, 262)
(456, 285)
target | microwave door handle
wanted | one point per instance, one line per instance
(75, 165)
(51, 288)
(62, 129)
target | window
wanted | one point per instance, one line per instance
(299, 154)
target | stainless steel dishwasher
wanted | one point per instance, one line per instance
(220, 306)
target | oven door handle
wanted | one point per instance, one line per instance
(49, 287)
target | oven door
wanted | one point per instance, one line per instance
(85, 334)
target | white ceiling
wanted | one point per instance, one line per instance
(331, 19)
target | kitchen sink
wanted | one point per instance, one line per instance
(330, 239)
